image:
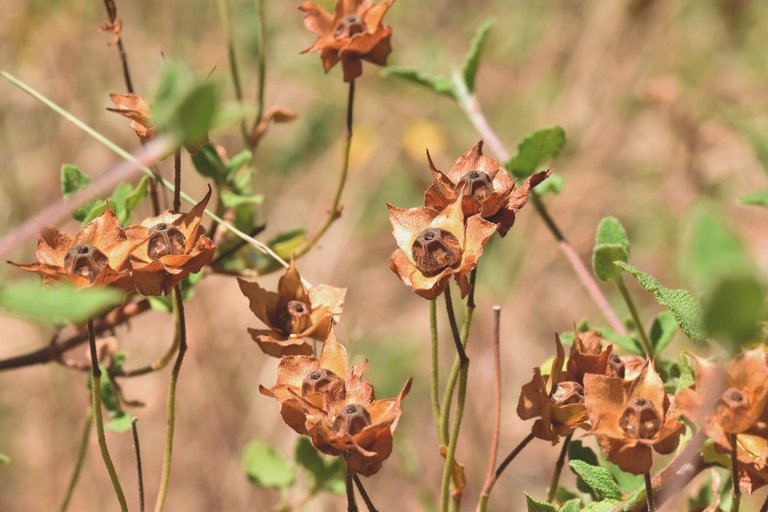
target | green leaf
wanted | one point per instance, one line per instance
(125, 199)
(233, 200)
(597, 478)
(627, 481)
(284, 245)
(681, 303)
(120, 424)
(628, 343)
(472, 59)
(571, 505)
(165, 303)
(757, 198)
(59, 304)
(209, 164)
(535, 149)
(438, 84)
(237, 162)
(265, 467)
(535, 505)
(601, 506)
(324, 475)
(577, 451)
(712, 456)
(4, 459)
(90, 210)
(611, 244)
(73, 180)
(662, 331)
(733, 310)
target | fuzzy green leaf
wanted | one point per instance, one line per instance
(233, 200)
(62, 303)
(535, 149)
(472, 59)
(757, 198)
(662, 331)
(438, 84)
(237, 162)
(597, 478)
(209, 164)
(571, 505)
(126, 198)
(681, 303)
(73, 180)
(611, 244)
(265, 467)
(535, 505)
(601, 506)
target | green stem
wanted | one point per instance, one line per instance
(226, 28)
(157, 365)
(435, 381)
(454, 439)
(79, 461)
(335, 211)
(262, 62)
(555, 481)
(181, 333)
(736, 490)
(635, 316)
(96, 395)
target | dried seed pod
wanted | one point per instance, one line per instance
(86, 261)
(165, 239)
(734, 399)
(434, 250)
(476, 184)
(318, 381)
(351, 420)
(616, 367)
(348, 26)
(568, 393)
(640, 419)
(294, 318)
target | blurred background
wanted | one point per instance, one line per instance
(664, 105)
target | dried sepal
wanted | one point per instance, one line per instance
(588, 356)
(136, 108)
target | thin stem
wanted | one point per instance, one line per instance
(635, 316)
(471, 108)
(140, 475)
(79, 461)
(736, 490)
(435, 380)
(335, 211)
(226, 27)
(181, 332)
(177, 181)
(764, 508)
(463, 359)
(496, 393)
(555, 481)
(507, 460)
(153, 367)
(351, 504)
(454, 438)
(112, 12)
(364, 494)
(96, 395)
(649, 492)
(262, 63)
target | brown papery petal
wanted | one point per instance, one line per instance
(333, 357)
(261, 302)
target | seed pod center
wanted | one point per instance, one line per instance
(476, 184)
(351, 420)
(735, 399)
(568, 393)
(348, 26)
(434, 250)
(640, 419)
(295, 319)
(165, 239)
(616, 366)
(318, 381)
(85, 261)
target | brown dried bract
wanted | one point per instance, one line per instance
(335, 406)
(293, 313)
(485, 180)
(556, 402)
(96, 256)
(352, 34)
(273, 115)
(434, 246)
(631, 417)
(174, 245)
(135, 108)
(588, 356)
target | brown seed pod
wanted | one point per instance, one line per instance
(434, 250)
(568, 393)
(616, 367)
(477, 184)
(86, 261)
(734, 399)
(351, 420)
(318, 381)
(640, 419)
(348, 26)
(165, 239)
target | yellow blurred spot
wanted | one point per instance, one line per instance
(420, 136)
(363, 142)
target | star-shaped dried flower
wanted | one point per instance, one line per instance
(434, 246)
(340, 414)
(631, 417)
(556, 402)
(752, 453)
(727, 400)
(135, 108)
(485, 180)
(97, 255)
(588, 356)
(174, 245)
(293, 313)
(352, 34)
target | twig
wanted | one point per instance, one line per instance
(181, 332)
(366, 498)
(471, 107)
(140, 475)
(157, 365)
(262, 59)
(496, 393)
(554, 482)
(226, 27)
(335, 211)
(635, 316)
(454, 327)
(351, 504)
(96, 396)
(736, 489)
(177, 181)
(435, 377)
(649, 492)
(509, 458)
(112, 13)
(79, 461)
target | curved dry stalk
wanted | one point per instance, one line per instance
(79, 461)
(496, 393)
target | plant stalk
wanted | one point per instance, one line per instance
(555, 481)
(499, 470)
(435, 380)
(496, 393)
(351, 503)
(647, 345)
(139, 473)
(736, 489)
(364, 494)
(649, 492)
(79, 461)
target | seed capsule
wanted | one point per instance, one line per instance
(476, 184)
(86, 261)
(640, 419)
(165, 239)
(568, 393)
(295, 318)
(318, 381)
(434, 250)
(351, 420)
(616, 366)
(348, 26)
(734, 399)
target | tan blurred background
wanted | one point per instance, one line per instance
(664, 104)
